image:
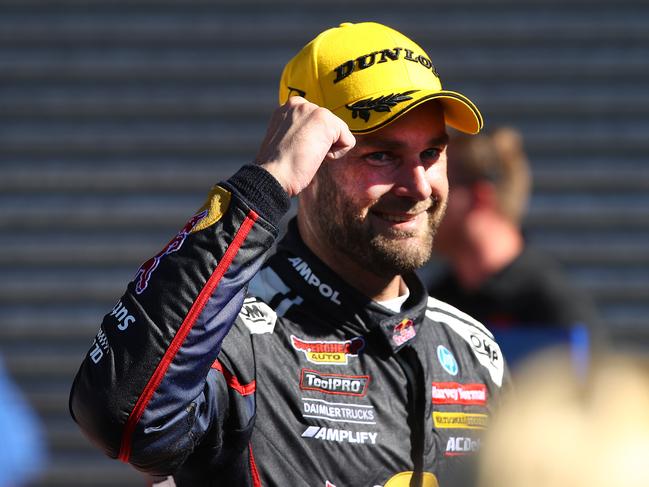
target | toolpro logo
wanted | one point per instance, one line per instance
(336, 353)
(346, 385)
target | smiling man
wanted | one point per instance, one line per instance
(325, 364)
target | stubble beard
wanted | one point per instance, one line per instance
(349, 231)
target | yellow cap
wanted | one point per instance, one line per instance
(368, 75)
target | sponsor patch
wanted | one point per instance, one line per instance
(336, 353)
(455, 393)
(217, 204)
(459, 420)
(122, 315)
(340, 436)
(447, 360)
(258, 317)
(461, 445)
(347, 385)
(99, 347)
(403, 332)
(486, 347)
(482, 343)
(146, 270)
(325, 290)
(338, 412)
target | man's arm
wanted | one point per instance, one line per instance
(141, 392)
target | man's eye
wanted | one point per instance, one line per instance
(378, 158)
(431, 154)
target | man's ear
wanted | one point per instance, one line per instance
(483, 195)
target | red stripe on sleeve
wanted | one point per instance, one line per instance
(254, 473)
(181, 334)
(233, 382)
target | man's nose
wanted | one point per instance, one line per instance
(413, 182)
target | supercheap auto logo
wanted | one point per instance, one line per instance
(320, 352)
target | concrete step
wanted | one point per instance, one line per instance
(242, 104)
(116, 176)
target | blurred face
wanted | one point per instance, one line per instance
(381, 204)
(451, 231)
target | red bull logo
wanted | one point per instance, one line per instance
(329, 352)
(403, 332)
(146, 270)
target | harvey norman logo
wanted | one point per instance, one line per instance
(339, 436)
(455, 393)
(336, 353)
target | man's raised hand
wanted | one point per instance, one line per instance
(300, 136)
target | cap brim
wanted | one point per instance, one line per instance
(459, 112)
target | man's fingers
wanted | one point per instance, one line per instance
(346, 141)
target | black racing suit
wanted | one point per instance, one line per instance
(220, 367)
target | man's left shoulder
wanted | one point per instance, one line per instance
(478, 338)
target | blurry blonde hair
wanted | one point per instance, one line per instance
(497, 156)
(563, 430)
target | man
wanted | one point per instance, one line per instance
(517, 291)
(327, 365)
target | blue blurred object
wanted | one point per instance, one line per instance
(518, 343)
(22, 453)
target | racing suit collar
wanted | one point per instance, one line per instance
(354, 312)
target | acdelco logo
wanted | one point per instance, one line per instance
(461, 445)
(328, 352)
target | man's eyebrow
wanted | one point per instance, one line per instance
(392, 144)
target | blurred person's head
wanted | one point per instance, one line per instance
(561, 428)
(489, 181)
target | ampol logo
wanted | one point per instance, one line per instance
(329, 352)
(144, 273)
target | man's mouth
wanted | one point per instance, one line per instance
(396, 218)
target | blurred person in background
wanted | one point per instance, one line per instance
(520, 293)
(21, 448)
(564, 428)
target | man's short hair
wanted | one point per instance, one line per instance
(497, 156)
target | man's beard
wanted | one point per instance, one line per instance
(349, 232)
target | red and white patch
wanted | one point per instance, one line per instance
(336, 353)
(403, 332)
(346, 385)
(456, 393)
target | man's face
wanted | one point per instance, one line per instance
(381, 204)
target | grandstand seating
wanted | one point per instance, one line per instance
(116, 116)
